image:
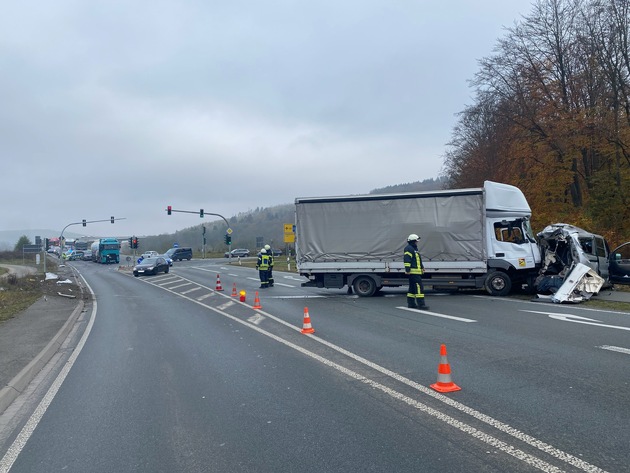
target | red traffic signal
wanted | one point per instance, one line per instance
(169, 209)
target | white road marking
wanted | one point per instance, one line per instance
(191, 290)
(256, 319)
(578, 320)
(205, 296)
(170, 281)
(617, 349)
(178, 286)
(435, 314)
(31, 424)
(506, 428)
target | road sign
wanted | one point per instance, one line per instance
(289, 235)
(31, 248)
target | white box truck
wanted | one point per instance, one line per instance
(470, 238)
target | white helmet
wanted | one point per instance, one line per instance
(413, 237)
(263, 252)
(267, 247)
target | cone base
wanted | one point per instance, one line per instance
(308, 330)
(446, 387)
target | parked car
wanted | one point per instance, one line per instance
(152, 265)
(179, 254)
(276, 251)
(149, 254)
(87, 255)
(237, 253)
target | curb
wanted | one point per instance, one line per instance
(18, 384)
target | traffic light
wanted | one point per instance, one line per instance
(228, 239)
(135, 242)
(84, 222)
(45, 244)
(169, 210)
(130, 242)
(201, 213)
(112, 219)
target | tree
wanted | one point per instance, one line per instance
(552, 115)
(24, 240)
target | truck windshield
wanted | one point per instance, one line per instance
(516, 231)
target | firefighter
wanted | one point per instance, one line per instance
(262, 265)
(414, 269)
(270, 272)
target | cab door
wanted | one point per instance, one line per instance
(619, 264)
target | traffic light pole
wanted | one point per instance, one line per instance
(83, 223)
(201, 214)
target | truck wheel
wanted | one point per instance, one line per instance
(498, 283)
(364, 286)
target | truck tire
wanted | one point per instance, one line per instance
(498, 283)
(364, 286)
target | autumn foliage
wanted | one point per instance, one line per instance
(552, 116)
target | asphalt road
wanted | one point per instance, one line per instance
(173, 375)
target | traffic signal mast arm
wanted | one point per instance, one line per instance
(200, 212)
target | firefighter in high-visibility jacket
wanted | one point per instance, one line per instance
(270, 270)
(414, 269)
(262, 265)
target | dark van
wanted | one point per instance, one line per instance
(178, 254)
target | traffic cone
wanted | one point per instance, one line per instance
(257, 302)
(234, 291)
(444, 383)
(219, 287)
(307, 328)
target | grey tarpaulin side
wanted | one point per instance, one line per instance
(375, 228)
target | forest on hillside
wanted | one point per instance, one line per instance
(250, 229)
(551, 115)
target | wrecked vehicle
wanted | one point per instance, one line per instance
(576, 263)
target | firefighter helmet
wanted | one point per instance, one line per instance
(263, 252)
(413, 237)
(267, 247)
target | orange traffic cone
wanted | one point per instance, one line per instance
(307, 328)
(257, 302)
(219, 287)
(444, 383)
(234, 291)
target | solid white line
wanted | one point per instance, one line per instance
(20, 441)
(617, 349)
(506, 428)
(435, 314)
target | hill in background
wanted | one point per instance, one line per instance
(257, 227)
(250, 229)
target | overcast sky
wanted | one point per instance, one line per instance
(124, 107)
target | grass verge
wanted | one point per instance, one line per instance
(17, 294)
